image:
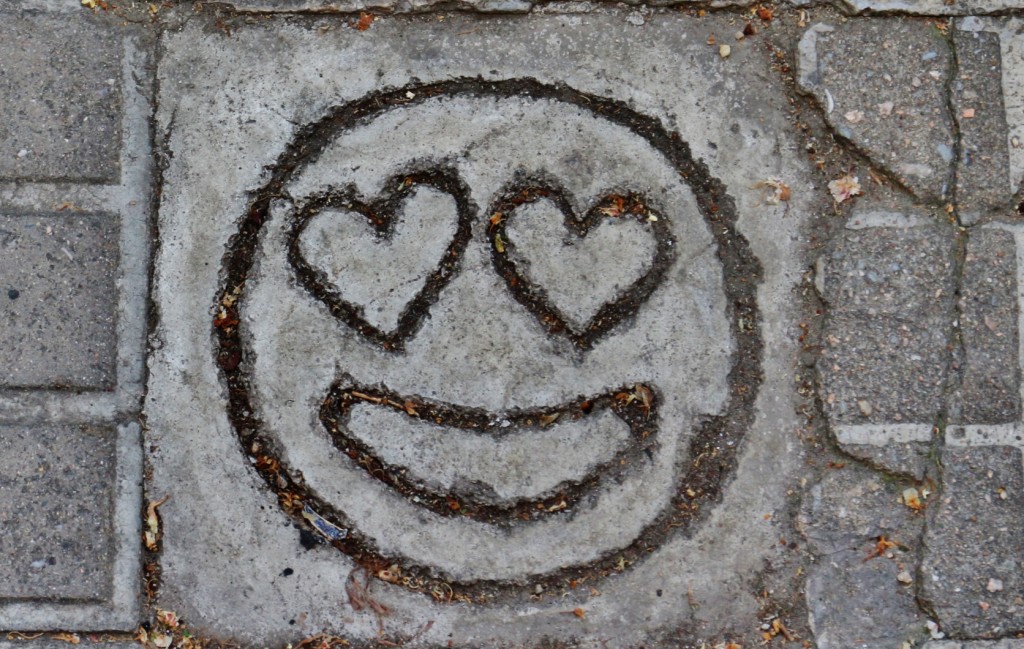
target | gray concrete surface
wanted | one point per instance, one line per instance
(542, 330)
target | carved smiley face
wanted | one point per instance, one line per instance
(480, 333)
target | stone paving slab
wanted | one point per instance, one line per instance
(890, 292)
(60, 93)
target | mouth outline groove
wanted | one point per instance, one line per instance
(636, 407)
(381, 215)
(534, 297)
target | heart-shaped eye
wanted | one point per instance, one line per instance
(580, 276)
(379, 265)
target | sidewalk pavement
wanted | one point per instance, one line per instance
(512, 324)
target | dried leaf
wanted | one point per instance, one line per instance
(845, 187)
(152, 535)
(71, 638)
(854, 116)
(579, 612)
(912, 499)
(365, 20)
(168, 618)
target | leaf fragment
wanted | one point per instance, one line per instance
(152, 534)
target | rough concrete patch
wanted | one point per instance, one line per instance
(881, 85)
(414, 6)
(933, 7)
(912, 459)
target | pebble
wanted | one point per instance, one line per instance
(904, 577)
(994, 585)
(724, 51)
(865, 407)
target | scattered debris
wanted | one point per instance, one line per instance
(854, 116)
(845, 187)
(882, 547)
(329, 530)
(70, 638)
(994, 585)
(885, 108)
(912, 499)
(168, 618)
(724, 51)
(780, 191)
(322, 641)
(905, 577)
(933, 630)
(865, 407)
(968, 113)
(579, 612)
(360, 599)
(773, 627)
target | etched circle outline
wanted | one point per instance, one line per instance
(713, 446)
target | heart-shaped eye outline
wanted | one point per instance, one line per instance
(380, 215)
(535, 298)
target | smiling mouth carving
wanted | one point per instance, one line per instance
(635, 406)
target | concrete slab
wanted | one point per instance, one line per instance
(60, 94)
(71, 497)
(854, 591)
(56, 506)
(574, 268)
(59, 303)
(76, 257)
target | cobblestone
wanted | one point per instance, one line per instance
(881, 85)
(977, 99)
(989, 363)
(976, 533)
